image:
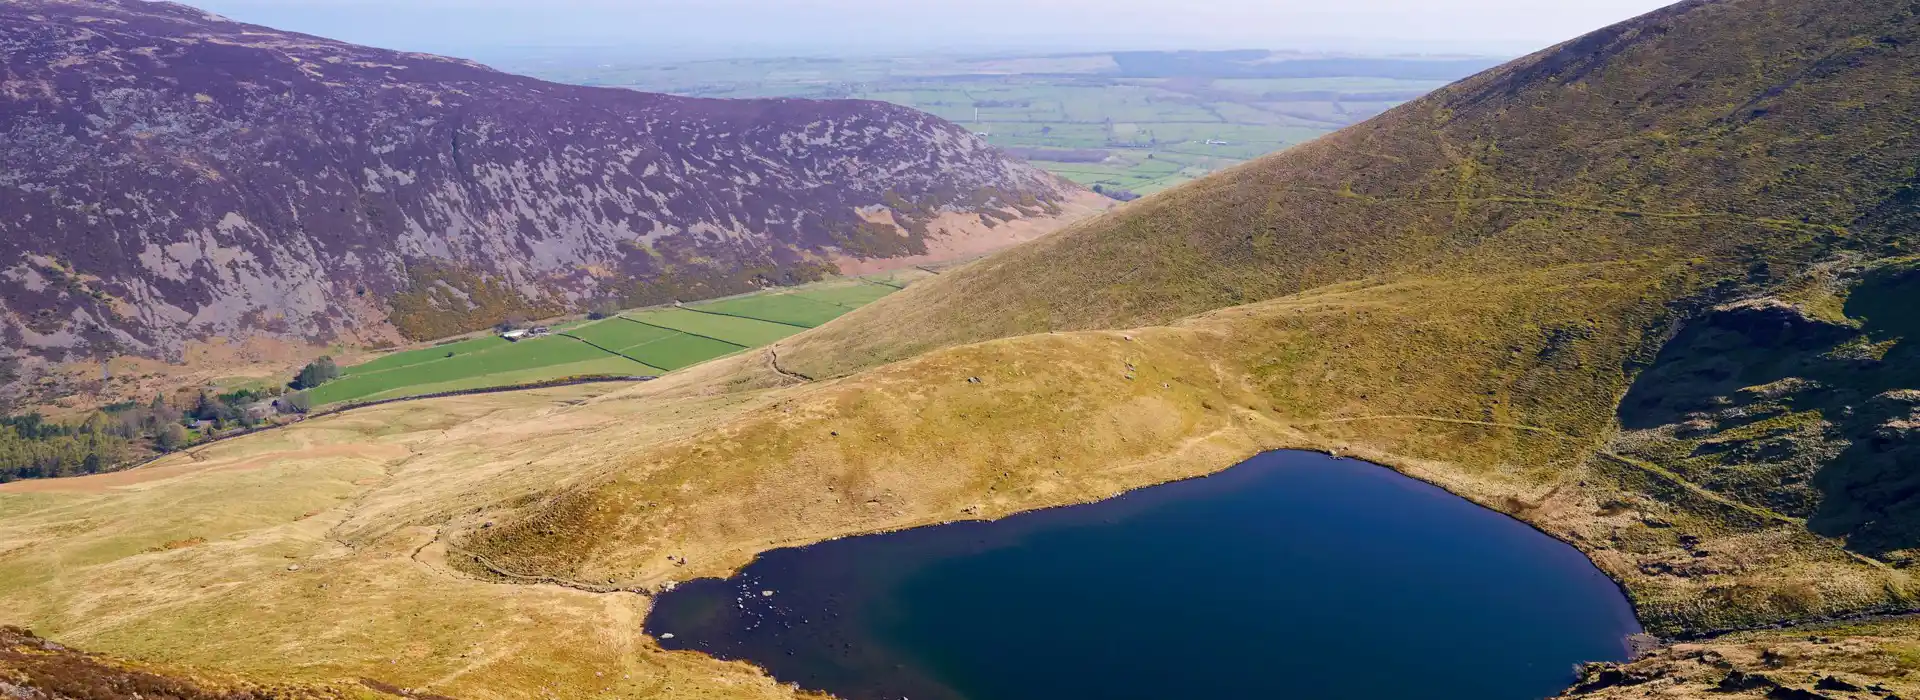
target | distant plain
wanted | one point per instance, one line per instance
(1137, 122)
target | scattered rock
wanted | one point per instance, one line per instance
(1740, 681)
(293, 567)
(1832, 683)
(1795, 694)
(1600, 677)
(1642, 644)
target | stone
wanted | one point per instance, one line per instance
(1832, 683)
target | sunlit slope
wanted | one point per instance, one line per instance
(1450, 380)
(1646, 292)
(1464, 289)
(1735, 133)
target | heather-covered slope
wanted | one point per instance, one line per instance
(171, 175)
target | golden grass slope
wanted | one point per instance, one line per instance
(1463, 290)
(1072, 417)
(324, 565)
(287, 557)
(1732, 132)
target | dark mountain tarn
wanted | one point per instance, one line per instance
(1292, 575)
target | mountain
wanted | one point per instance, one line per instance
(1646, 291)
(174, 176)
(1672, 252)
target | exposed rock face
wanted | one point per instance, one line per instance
(173, 175)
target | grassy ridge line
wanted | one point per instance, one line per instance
(1608, 117)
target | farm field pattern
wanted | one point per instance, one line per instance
(646, 342)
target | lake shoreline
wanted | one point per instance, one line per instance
(861, 571)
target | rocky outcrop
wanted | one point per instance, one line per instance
(173, 175)
(32, 668)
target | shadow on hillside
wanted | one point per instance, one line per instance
(1810, 418)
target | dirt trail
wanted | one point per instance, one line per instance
(773, 361)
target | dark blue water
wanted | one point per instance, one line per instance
(1293, 575)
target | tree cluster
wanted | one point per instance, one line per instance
(35, 447)
(317, 372)
(1116, 193)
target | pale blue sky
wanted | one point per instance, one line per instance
(720, 28)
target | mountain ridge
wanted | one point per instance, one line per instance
(1644, 291)
(180, 176)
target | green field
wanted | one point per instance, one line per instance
(618, 336)
(851, 296)
(744, 332)
(792, 309)
(424, 355)
(638, 343)
(678, 350)
(503, 359)
(603, 365)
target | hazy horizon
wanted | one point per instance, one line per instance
(661, 30)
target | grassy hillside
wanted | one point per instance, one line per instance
(1747, 138)
(1464, 288)
(1645, 291)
